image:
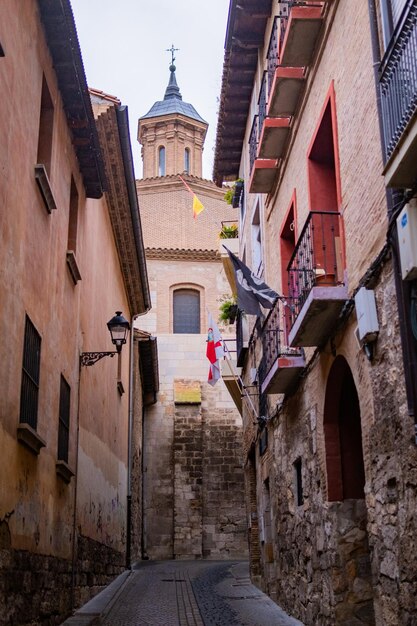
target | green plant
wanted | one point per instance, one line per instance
(229, 232)
(230, 193)
(228, 309)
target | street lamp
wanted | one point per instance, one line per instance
(118, 327)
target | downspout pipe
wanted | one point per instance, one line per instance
(394, 208)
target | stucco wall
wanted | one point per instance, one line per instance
(40, 517)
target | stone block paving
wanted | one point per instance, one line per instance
(193, 593)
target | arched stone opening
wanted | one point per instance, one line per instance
(343, 435)
(350, 577)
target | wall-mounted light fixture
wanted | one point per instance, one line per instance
(118, 327)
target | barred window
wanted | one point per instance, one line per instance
(64, 418)
(30, 375)
(187, 311)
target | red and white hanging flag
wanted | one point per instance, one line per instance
(214, 350)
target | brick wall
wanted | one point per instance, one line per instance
(340, 562)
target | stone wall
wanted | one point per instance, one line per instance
(188, 481)
(224, 522)
(348, 562)
(37, 589)
(209, 521)
(194, 480)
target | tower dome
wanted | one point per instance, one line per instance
(172, 135)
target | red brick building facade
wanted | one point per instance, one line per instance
(331, 459)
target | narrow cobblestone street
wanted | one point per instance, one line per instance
(193, 593)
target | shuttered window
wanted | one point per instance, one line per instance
(186, 311)
(30, 375)
(64, 417)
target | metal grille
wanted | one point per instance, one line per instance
(30, 375)
(64, 418)
(272, 57)
(314, 259)
(262, 102)
(186, 311)
(274, 336)
(253, 142)
(398, 79)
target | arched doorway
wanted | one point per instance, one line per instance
(343, 435)
(351, 579)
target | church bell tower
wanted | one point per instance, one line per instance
(172, 134)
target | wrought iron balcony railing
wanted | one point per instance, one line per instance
(316, 258)
(398, 79)
(274, 335)
(253, 142)
(262, 102)
(272, 56)
(278, 33)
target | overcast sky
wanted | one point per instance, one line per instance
(124, 44)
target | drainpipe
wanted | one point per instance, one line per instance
(74, 519)
(394, 208)
(143, 535)
(129, 447)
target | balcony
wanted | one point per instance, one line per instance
(273, 131)
(286, 89)
(299, 33)
(281, 365)
(232, 243)
(398, 88)
(231, 373)
(285, 84)
(231, 377)
(263, 175)
(263, 171)
(316, 280)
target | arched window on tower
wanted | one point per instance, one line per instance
(187, 160)
(161, 160)
(186, 307)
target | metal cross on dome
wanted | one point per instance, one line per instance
(172, 50)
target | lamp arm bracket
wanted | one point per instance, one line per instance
(89, 358)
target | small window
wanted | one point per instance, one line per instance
(46, 123)
(298, 475)
(161, 161)
(30, 376)
(186, 311)
(64, 417)
(187, 160)
(73, 218)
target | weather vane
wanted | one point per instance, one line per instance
(172, 50)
